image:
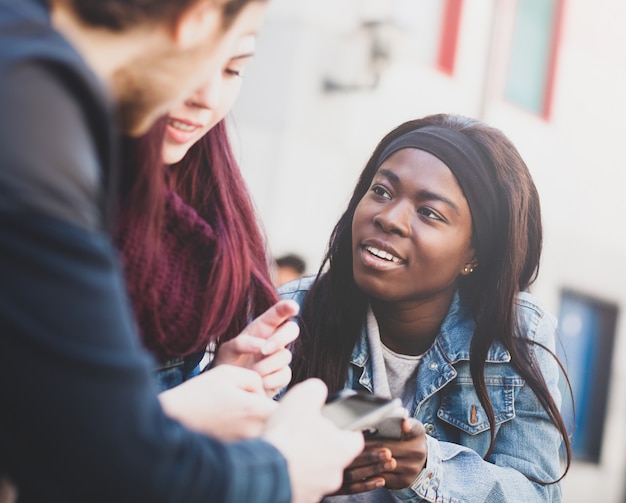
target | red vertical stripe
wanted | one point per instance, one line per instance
(552, 60)
(451, 21)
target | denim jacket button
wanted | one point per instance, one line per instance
(433, 365)
(430, 429)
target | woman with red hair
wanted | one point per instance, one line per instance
(194, 258)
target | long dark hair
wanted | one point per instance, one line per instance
(334, 309)
(208, 179)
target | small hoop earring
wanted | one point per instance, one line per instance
(468, 270)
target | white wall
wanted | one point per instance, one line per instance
(302, 149)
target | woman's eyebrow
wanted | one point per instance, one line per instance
(243, 56)
(389, 174)
(429, 195)
(422, 194)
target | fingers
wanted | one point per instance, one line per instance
(227, 402)
(363, 485)
(231, 352)
(248, 348)
(287, 333)
(310, 395)
(266, 324)
(257, 406)
(245, 379)
(365, 472)
(371, 456)
(273, 383)
(411, 429)
(273, 363)
(378, 461)
(310, 442)
(246, 344)
(359, 474)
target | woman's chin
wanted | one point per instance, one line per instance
(173, 155)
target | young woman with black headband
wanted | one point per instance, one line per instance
(423, 295)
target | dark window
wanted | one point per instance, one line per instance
(587, 331)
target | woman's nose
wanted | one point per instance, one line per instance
(395, 218)
(208, 96)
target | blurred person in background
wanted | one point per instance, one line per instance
(194, 258)
(424, 297)
(289, 267)
(83, 421)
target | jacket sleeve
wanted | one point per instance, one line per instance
(528, 444)
(79, 418)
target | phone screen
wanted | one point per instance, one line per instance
(357, 411)
(344, 412)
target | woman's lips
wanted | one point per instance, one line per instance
(181, 131)
(379, 259)
(385, 255)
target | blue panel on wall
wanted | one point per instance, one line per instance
(530, 54)
(578, 326)
(587, 333)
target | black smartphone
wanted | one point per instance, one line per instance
(375, 416)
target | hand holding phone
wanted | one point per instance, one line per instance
(375, 416)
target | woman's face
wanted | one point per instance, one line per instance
(199, 48)
(412, 230)
(208, 105)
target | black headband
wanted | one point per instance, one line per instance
(472, 169)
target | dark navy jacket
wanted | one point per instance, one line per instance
(80, 419)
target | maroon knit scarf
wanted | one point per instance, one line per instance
(169, 298)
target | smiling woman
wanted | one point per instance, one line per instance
(412, 222)
(208, 105)
(193, 255)
(423, 296)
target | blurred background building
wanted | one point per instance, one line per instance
(331, 77)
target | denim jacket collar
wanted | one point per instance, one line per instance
(453, 341)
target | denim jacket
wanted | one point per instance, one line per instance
(526, 442)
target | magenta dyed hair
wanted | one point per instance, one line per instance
(239, 286)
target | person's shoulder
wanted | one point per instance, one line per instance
(534, 316)
(297, 288)
(51, 153)
(302, 284)
(56, 131)
(27, 34)
(22, 17)
(29, 43)
(526, 301)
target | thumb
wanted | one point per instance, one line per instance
(411, 428)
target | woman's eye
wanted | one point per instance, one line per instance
(428, 213)
(234, 72)
(380, 191)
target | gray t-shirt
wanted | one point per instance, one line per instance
(393, 376)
